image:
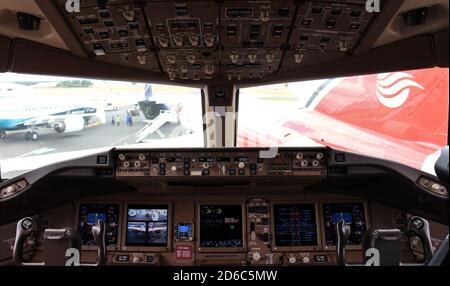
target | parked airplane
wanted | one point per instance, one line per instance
(385, 115)
(21, 109)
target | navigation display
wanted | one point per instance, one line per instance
(221, 226)
(90, 213)
(147, 225)
(295, 225)
(353, 215)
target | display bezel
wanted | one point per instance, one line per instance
(222, 249)
(141, 204)
(119, 226)
(322, 223)
(316, 247)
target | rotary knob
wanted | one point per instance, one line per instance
(141, 157)
(137, 164)
(256, 256)
(205, 165)
(126, 164)
(305, 259)
(136, 259)
(122, 157)
(304, 163)
(292, 260)
(241, 165)
(173, 168)
(299, 156)
(319, 156)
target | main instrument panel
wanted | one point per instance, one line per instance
(167, 163)
(227, 40)
(256, 231)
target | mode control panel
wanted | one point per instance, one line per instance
(233, 163)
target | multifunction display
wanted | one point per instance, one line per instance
(221, 226)
(353, 215)
(91, 213)
(147, 225)
(295, 225)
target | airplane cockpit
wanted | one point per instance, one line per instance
(356, 175)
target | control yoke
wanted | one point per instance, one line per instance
(56, 241)
(419, 227)
(342, 233)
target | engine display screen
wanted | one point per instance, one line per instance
(90, 213)
(295, 225)
(353, 215)
(147, 225)
(221, 226)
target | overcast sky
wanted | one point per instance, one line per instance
(12, 77)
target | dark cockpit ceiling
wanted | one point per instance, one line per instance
(224, 43)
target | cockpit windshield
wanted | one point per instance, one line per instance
(399, 116)
(47, 119)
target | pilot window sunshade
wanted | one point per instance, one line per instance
(352, 213)
(295, 225)
(89, 214)
(221, 226)
(147, 225)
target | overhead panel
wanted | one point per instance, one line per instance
(325, 31)
(231, 41)
(114, 32)
(186, 35)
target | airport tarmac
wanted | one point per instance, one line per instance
(104, 135)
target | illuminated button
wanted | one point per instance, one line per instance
(162, 172)
(186, 166)
(241, 172)
(186, 172)
(162, 166)
(253, 172)
(205, 172)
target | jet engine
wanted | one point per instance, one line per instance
(70, 124)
